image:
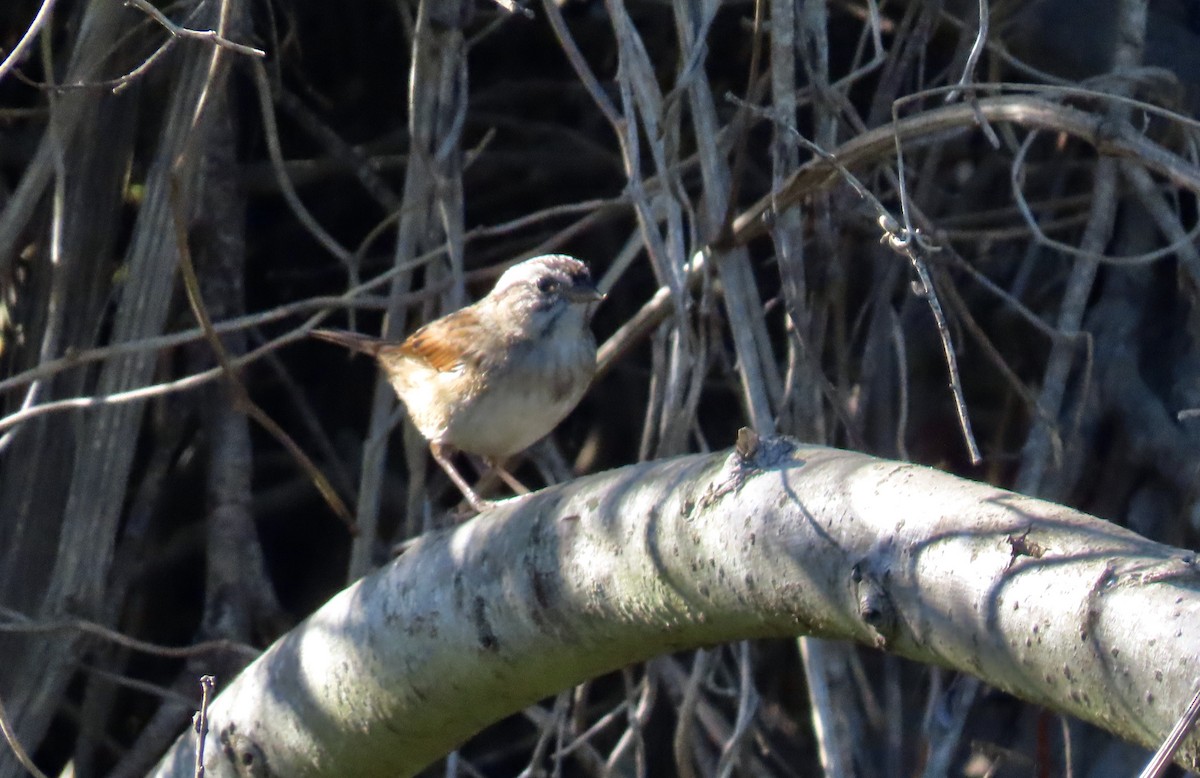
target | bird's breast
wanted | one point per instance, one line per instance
(524, 398)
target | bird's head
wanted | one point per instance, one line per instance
(546, 293)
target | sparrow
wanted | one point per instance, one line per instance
(493, 378)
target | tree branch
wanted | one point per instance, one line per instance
(774, 539)
(1109, 139)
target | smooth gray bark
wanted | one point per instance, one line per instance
(1053, 605)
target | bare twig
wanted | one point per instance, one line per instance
(20, 623)
(929, 292)
(652, 313)
(981, 38)
(207, 684)
(27, 38)
(241, 396)
(593, 211)
(579, 64)
(683, 742)
(747, 706)
(878, 145)
(639, 707)
(548, 727)
(263, 89)
(10, 736)
(1035, 459)
(1180, 241)
(949, 715)
(212, 36)
(901, 353)
(1166, 752)
(911, 243)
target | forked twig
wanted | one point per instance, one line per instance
(212, 36)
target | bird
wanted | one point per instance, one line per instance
(493, 378)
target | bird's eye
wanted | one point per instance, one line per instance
(547, 285)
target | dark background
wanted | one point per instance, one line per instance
(200, 544)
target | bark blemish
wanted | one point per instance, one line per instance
(483, 628)
(542, 584)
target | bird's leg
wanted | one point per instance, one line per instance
(497, 466)
(439, 452)
(487, 466)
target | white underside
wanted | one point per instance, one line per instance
(501, 423)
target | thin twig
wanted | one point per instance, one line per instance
(1061, 91)
(1036, 452)
(639, 716)
(547, 726)
(10, 736)
(747, 705)
(637, 327)
(145, 687)
(20, 623)
(740, 124)
(266, 108)
(911, 243)
(579, 64)
(682, 742)
(879, 144)
(967, 81)
(594, 210)
(1178, 242)
(241, 396)
(581, 742)
(320, 304)
(30, 34)
(200, 723)
(981, 36)
(344, 154)
(943, 329)
(944, 728)
(212, 36)
(901, 357)
(1166, 752)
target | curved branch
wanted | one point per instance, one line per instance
(775, 539)
(1108, 137)
(19, 51)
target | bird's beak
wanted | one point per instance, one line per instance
(584, 291)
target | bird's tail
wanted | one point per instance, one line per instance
(363, 344)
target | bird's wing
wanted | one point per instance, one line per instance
(450, 342)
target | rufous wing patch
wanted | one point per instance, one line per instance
(446, 343)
